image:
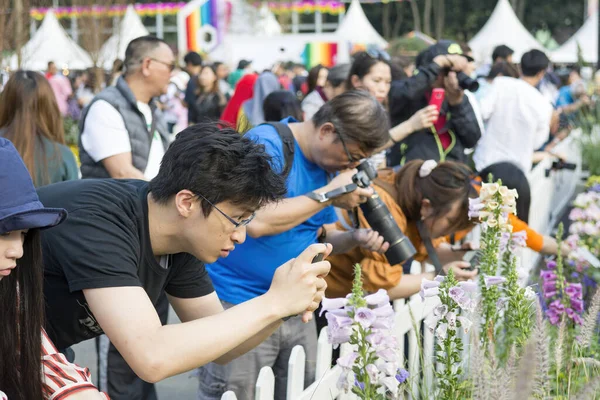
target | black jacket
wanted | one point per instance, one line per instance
(207, 107)
(409, 96)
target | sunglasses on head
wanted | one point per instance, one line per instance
(378, 54)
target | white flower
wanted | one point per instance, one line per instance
(389, 383)
(503, 191)
(530, 294)
(451, 318)
(442, 331)
(492, 205)
(440, 311)
(373, 372)
(491, 222)
(491, 188)
(465, 323)
(346, 380)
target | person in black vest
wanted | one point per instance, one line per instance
(123, 133)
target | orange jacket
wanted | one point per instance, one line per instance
(376, 270)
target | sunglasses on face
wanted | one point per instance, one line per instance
(171, 66)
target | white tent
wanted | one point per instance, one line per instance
(503, 27)
(586, 38)
(51, 43)
(131, 27)
(268, 24)
(356, 28)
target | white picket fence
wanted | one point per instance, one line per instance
(549, 195)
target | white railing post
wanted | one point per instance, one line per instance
(428, 356)
(265, 384)
(324, 355)
(295, 379)
(228, 396)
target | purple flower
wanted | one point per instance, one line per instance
(383, 323)
(456, 293)
(577, 319)
(427, 284)
(467, 304)
(494, 280)
(402, 375)
(347, 361)
(557, 306)
(336, 321)
(378, 298)
(549, 286)
(501, 302)
(577, 305)
(365, 317)
(429, 292)
(574, 290)
(468, 286)
(338, 336)
(388, 355)
(372, 371)
(551, 264)
(547, 275)
(358, 384)
(475, 207)
(331, 304)
(550, 294)
(519, 239)
(385, 311)
(552, 316)
(576, 213)
(439, 278)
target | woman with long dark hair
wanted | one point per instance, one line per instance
(29, 117)
(30, 366)
(210, 102)
(282, 104)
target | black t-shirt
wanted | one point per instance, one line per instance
(105, 242)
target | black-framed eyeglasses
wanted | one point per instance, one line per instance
(243, 222)
(351, 158)
(171, 65)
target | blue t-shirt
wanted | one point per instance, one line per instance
(564, 96)
(248, 271)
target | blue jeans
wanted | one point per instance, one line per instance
(240, 375)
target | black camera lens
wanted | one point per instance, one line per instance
(466, 82)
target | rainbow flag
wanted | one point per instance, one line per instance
(206, 18)
(323, 53)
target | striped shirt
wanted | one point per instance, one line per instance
(61, 378)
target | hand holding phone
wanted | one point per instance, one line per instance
(437, 98)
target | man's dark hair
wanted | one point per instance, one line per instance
(358, 117)
(50, 63)
(219, 164)
(193, 58)
(533, 62)
(338, 75)
(503, 68)
(282, 104)
(138, 49)
(502, 51)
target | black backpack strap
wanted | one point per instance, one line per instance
(433, 257)
(289, 145)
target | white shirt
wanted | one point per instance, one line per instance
(104, 135)
(517, 118)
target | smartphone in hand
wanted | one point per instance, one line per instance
(437, 98)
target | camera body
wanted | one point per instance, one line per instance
(382, 221)
(559, 165)
(465, 81)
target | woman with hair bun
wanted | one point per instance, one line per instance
(435, 194)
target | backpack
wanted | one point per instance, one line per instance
(289, 145)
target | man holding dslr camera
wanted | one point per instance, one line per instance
(344, 131)
(456, 129)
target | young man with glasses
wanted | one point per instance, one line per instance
(123, 133)
(127, 242)
(344, 131)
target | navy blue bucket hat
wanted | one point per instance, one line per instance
(20, 206)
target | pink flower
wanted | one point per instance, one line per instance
(550, 294)
(552, 316)
(576, 213)
(557, 306)
(574, 290)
